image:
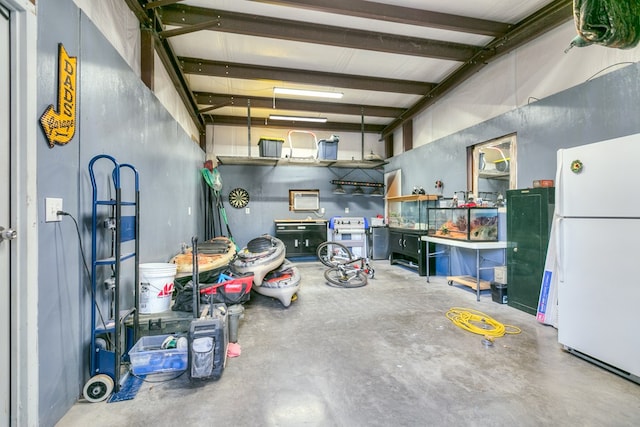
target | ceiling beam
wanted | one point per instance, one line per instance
(262, 26)
(255, 72)
(554, 14)
(278, 124)
(399, 14)
(222, 100)
(160, 3)
(139, 12)
(149, 23)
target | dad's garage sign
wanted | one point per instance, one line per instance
(60, 124)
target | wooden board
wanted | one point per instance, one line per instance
(469, 281)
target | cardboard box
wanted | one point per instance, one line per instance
(500, 275)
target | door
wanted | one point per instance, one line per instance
(598, 289)
(5, 185)
(316, 235)
(593, 179)
(395, 242)
(411, 245)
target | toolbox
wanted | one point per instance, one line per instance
(165, 323)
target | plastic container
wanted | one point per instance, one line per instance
(270, 147)
(235, 313)
(170, 322)
(156, 287)
(499, 293)
(327, 150)
(148, 357)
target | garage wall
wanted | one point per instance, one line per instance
(269, 196)
(599, 109)
(532, 72)
(118, 116)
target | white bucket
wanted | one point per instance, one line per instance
(156, 287)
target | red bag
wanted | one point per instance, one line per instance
(229, 290)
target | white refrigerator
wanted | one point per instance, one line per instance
(598, 244)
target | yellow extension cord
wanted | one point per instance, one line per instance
(479, 323)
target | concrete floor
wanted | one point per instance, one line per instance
(382, 355)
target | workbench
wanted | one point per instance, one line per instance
(465, 244)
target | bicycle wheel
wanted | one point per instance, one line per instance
(350, 278)
(332, 254)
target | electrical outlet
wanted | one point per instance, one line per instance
(322, 211)
(247, 211)
(51, 207)
(346, 210)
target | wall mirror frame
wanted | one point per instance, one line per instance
(493, 167)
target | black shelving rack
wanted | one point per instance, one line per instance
(108, 349)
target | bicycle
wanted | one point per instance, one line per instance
(345, 270)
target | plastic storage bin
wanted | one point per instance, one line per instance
(327, 150)
(148, 357)
(499, 293)
(270, 147)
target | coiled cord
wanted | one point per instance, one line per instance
(479, 323)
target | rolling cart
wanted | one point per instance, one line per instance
(119, 219)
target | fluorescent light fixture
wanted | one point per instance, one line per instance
(339, 190)
(377, 192)
(298, 118)
(303, 92)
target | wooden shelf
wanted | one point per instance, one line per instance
(469, 281)
(413, 198)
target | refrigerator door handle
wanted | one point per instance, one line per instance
(558, 199)
(557, 235)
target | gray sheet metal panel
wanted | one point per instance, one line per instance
(60, 316)
(599, 109)
(119, 116)
(596, 110)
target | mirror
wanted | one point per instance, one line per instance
(494, 169)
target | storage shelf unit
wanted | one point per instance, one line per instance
(272, 161)
(473, 282)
